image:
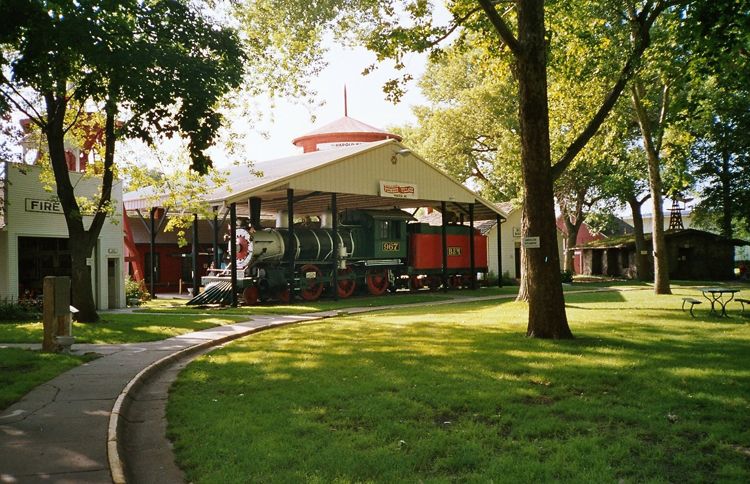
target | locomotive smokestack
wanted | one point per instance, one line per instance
(282, 221)
(326, 220)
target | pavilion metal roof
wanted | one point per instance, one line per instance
(354, 173)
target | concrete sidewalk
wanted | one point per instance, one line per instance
(58, 432)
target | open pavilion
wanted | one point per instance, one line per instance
(354, 170)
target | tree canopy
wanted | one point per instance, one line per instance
(160, 62)
(152, 68)
(518, 35)
(716, 112)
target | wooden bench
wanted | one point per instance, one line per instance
(692, 301)
(743, 302)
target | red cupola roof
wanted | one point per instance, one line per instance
(344, 131)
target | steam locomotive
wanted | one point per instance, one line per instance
(379, 250)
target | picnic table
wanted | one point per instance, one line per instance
(719, 295)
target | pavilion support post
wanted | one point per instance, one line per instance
(336, 249)
(153, 229)
(152, 253)
(233, 251)
(499, 252)
(196, 275)
(215, 227)
(472, 249)
(290, 230)
(444, 244)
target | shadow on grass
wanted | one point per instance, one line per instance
(301, 307)
(120, 328)
(460, 394)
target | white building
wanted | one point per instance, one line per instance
(510, 238)
(34, 237)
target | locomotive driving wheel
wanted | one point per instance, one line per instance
(377, 281)
(415, 283)
(250, 295)
(454, 281)
(310, 285)
(346, 283)
(284, 295)
(433, 282)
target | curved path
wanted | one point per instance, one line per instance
(69, 430)
(59, 431)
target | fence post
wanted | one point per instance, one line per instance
(56, 312)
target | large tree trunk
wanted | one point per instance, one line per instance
(642, 270)
(523, 290)
(83, 294)
(661, 262)
(571, 238)
(572, 220)
(547, 318)
(81, 242)
(570, 242)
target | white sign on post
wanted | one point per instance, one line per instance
(530, 242)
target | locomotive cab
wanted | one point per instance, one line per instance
(383, 234)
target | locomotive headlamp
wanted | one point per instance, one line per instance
(401, 152)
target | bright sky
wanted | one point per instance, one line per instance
(366, 102)
(285, 120)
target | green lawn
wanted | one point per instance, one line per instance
(325, 304)
(35, 369)
(457, 393)
(174, 305)
(120, 327)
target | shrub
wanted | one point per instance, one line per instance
(509, 281)
(22, 309)
(135, 290)
(566, 276)
(491, 279)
